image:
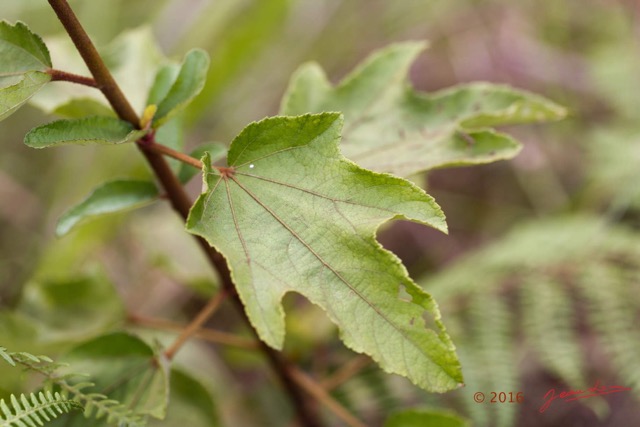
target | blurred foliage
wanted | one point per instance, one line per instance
(534, 295)
(572, 177)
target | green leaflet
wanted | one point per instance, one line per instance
(21, 50)
(235, 39)
(127, 370)
(190, 404)
(391, 128)
(165, 77)
(187, 85)
(83, 107)
(88, 130)
(6, 356)
(425, 418)
(110, 197)
(25, 59)
(171, 133)
(16, 90)
(294, 215)
(67, 310)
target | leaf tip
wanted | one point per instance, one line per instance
(30, 140)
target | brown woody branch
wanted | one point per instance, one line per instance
(177, 196)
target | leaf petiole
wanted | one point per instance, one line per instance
(149, 143)
(63, 76)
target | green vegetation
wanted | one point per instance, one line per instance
(284, 291)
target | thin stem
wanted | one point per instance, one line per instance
(205, 334)
(321, 395)
(177, 197)
(195, 324)
(346, 372)
(63, 76)
(167, 151)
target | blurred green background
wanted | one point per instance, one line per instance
(551, 236)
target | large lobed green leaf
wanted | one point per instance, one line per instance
(391, 128)
(88, 130)
(24, 58)
(292, 214)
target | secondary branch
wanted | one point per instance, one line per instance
(209, 335)
(63, 76)
(195, 324)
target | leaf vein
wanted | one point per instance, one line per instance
(243, 242)
(330, 268)
(313, 193)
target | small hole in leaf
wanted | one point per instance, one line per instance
(429, 321)
(251, 166)
(403, 294)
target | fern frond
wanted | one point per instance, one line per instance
(10, 357)
(30, 412)
(94, 404)
(487, 360)
(99, 406)
(537, 246)
(550, 327)
(540, 268)
(611, 297)
(6, 356)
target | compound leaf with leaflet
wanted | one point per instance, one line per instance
(389, 127)
(290, 213)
